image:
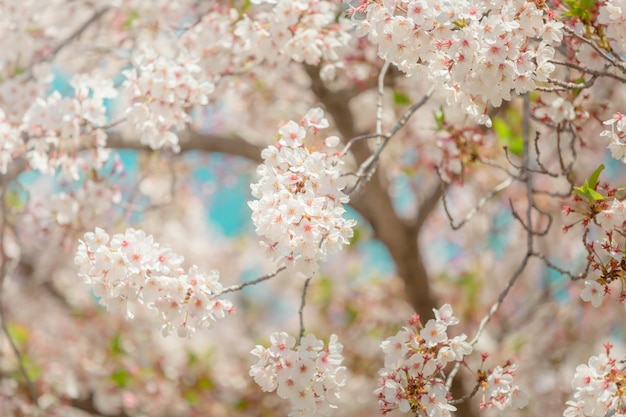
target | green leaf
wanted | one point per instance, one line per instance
(517, 343)
(470, 286)
(582, 193)
(116, 345)
(204, 383)
(593, 179)
(588, 193)
(587, 5)
(595, 195)
(192, 359)
(245, 7)
(440, 118)
(130, 19)
(507, 137)
(32, 369)
(242, 405)
(121, 378)
(351, 314)
(325, 291)
(357, 236)
(191, 397)
(19, 70)
(15, 200)
(400, 99)
(579, 8)
(579, 80)
(459, 23)
(17, 333)
(587, 190)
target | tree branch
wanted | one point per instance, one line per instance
(301, 309)
(428, 205)
(253, 282)
(193, 141)
(375, 204)
(87, 405)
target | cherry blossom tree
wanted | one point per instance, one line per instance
(478, 144)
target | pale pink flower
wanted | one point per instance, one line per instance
(593, 293)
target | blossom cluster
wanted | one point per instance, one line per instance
(274, 32)
(300, 199)
(459, 146)
(414, 359)
(301, 30)
(600, 388)
(163, 90)
(59, 127)
(499, 391)
(83, 205)
(611, 17)
(616, 133)
(604, 210)
(10, 142)
(605, 254)
(308, 375)
(478, 52)
(131, 271)
(413, 378)
(604, 206)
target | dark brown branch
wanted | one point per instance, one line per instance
(428, 205)
(191, 140)
(375, 205)
(87, 405)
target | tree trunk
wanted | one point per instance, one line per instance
(374, 203)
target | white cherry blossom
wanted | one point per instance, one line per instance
(130, 270)
(299, 211)
(597, 386)
(411, 378)
(476, 46)
(592, 293)
(309, 376)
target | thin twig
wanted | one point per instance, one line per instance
(526, 166)
(599, 50)
(517, 217)
(241, 286)
(456, 226)
(409, 112)
(490, 314)
(379, 103)
(560, 270)
(588, 70)
(301, 310)
(543, 169)
(529, 238)
(466, 397)
(562, 85)
(368, 167)
(355, 139)
(529, 233)
(497, 165)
